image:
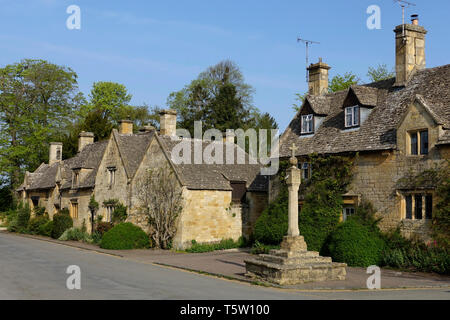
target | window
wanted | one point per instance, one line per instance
(58, 154)
(418, 142)
(424, 142)
(74, 210)
(306, 170)
(428, 207)
(109, 212)
(352, 116)
(112, 176)
(75, 179)
(418, 206)
(307, 125)
(348, 211)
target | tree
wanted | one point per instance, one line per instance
(160, 196)
(342, 82)
(379, 73)
(37, 100)
(205, 97)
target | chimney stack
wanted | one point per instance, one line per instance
(84, 139)
(168, 122)
(228, 137)
(409, 50)
(55, 152)
(126, 127)
(318, 78)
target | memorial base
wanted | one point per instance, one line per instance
(294, 264)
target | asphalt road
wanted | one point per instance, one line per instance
(34, 269)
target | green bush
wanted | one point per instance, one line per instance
(355, 244)
(119, 214)
(125, 236)
(320, 214)
(61, 222)
(259, 248)
(35, 223)
(75, 234)
(272, 225)
(224, 244)
(103, 227)
(406, 254)
(23, 215)
(39, 211)
(46, 229)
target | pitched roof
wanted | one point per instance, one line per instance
(89, 158)
(214, 176)
(378, 132)
(132, 148)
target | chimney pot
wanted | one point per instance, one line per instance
(126, 127)
(168, 122)
(55, 152)
(84, 139)
(415, 19)
(318, 78)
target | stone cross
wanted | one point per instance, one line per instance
(293, 183)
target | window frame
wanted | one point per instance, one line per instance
(304, 122)
(355, 113)
(414, 200)
(346, 215)
(419, 147)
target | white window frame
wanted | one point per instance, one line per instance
(307, 125)
(353, 112)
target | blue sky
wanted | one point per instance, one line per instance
(156, 47)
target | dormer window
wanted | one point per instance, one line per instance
(75, 178)
(307, 125)
(352, 116)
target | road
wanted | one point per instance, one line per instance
(34, 269)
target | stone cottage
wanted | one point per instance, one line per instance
(399, 128)
(221, 201)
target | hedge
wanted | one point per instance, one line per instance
(125, 236)
(61, 222)
(355, 244)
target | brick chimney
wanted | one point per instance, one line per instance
(168, 122)
(55, 152)
(318, 78)
(126, 127)
(409, 50)
(84, 139)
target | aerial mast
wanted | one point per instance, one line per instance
(404, 4)
(307, 43)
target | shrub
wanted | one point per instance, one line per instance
(74, 234)
(46, 229)
(355, 244)
(39, 211)
(61, 222)
(103, 227)
(320, 214)
(35, 223)
(272, 225)
(125, 236)
(119, 214)
(406, 254)
(259, 248)
(23, 215)
(224, 244)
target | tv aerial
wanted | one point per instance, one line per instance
(404, 4)
(307, 43)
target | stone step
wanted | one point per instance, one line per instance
(309, 266)
(289, 254)
(301, 260)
